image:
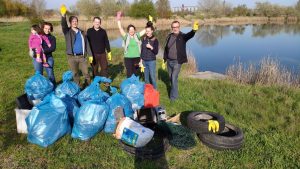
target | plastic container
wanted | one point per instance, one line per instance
(21, 115)
(133, 133)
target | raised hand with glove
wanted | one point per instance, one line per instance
(119, 15)
(196, 25)
(63, 9)
(150, 18)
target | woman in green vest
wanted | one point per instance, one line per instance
(132, 46)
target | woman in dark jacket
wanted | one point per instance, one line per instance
(148, 55)
(47, 28)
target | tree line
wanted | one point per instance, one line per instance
(142, 8)
(219, 8)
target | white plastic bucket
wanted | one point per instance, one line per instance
(21, 115)
(133, 133)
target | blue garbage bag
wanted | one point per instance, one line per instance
(68, 87)
(93, 91)
(115, 103)
(133, 89)
(48, 121)
(72, 107)
(89, 120)
(37, 86)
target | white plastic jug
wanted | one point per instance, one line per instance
(133, 133)
(21, 115)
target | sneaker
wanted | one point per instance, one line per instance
(39, 60)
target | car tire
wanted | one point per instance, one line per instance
(231, 138)
(198, 121)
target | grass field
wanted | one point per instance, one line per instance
(268, 116)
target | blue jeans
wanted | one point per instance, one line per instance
(173, 70)
(49, 70)
(150, 70)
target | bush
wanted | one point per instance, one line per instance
(13, 8)
(142, 9)
(2, 8)
(268, 72)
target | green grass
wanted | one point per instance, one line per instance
(268, 116)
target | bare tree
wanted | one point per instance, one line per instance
(36, 11)
(109, 7)
(88, 8)
(298, 6)
(124, 6)
(39, 6)
(211, 7)
(163, 8)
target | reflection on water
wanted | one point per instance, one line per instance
(273, 29)
(209, 35)
(216, 47)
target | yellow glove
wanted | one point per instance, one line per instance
(90, 59)
(150, 18)
(196, 26)
(163, 65)
(142, 66)
(213, 126)
(109, 56)
(63, 9)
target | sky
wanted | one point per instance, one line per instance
(54, 4)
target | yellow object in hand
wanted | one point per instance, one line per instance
(163, 66)
(90, 59)
(63, 9)
(213, 126)
(142, 66)
(150, 18)
(142, 69)
(196, 26)
(109, 56)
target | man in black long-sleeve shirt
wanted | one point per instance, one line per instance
(99, 44)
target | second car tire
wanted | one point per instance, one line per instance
(230, 138)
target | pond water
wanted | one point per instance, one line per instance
(217, 47)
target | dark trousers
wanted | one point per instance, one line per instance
(100, 60)
(132, 66)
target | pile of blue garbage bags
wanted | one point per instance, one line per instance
(68, 110)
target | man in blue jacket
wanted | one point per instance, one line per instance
(175, 54)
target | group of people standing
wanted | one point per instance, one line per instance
(140, 50)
